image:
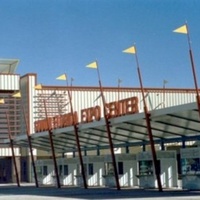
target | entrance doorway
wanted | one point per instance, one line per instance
(5, 170)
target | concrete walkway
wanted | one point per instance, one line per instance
(30, 192)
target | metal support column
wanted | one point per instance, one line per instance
(106, 117)
(77, 141)
(74, 154)
(127, 148)
(194, 74)
(64, 77)
(85, 152)
(30, 148)
(52, 147)
(183, 143)
(98, 150)
(148, 123)
(132, 50)
(109, 135)
(162, 145)
(143, 147)
(12, 150)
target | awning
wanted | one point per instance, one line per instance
(8, 66)
(172, 124)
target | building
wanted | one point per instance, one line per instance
(129, 134)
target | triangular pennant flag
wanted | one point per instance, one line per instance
(38, 87)
(182, 29)
(18, 94)
(62, 77)
(130, 50)
(165, 81)
(2, 101)
(92, 65)
(119, 81)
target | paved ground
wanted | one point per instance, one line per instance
(29, 192)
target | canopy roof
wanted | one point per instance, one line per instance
(173, 124)
(8, 65)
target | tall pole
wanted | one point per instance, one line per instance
(30, 148)
(64, 77)
(119, 81)
(109, 133)
(77, 137)
(132, 50)
(148, 123)
(118, 95)
(164, 92)
(12, 149)
(193, 69)
(185, 30)
(52, 147)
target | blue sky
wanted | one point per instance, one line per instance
(51, 37)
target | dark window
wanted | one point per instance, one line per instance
(121, 167)
(60, 169)
(45, 170)
(66, 172)
(158, 166)
(90, 169)
(179, 164)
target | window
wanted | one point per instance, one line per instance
(90, 169)
(146, 167)
(45, 170)
(120, 168)
(158, 166)
(66, 172)
(109, 170)
(60, 170)
(179, 164)
(39, 170)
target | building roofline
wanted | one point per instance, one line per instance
(96, 88)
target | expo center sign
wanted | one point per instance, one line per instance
(113, 109)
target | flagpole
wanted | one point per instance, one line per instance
(12, 150)
(30, 147)
(76, 135)
(164, 92)
(39, 87)
(118, 95)
(193, 69)
(119, 81)
(29, 140)
(148, 123)
(108, 131)
(52, 146)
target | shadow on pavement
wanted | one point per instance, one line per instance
(93, 192)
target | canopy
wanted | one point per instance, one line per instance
(172, 124)
(8, 65)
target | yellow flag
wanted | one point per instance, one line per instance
(62, 77)
(182, 29)
(130, 50)
(2, 101)
(38, 87)
(18, 94)
(92, 65)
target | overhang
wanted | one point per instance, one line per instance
(172, 124)
(8, 66)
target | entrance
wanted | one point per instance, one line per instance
(5, 170)
(24, 169)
